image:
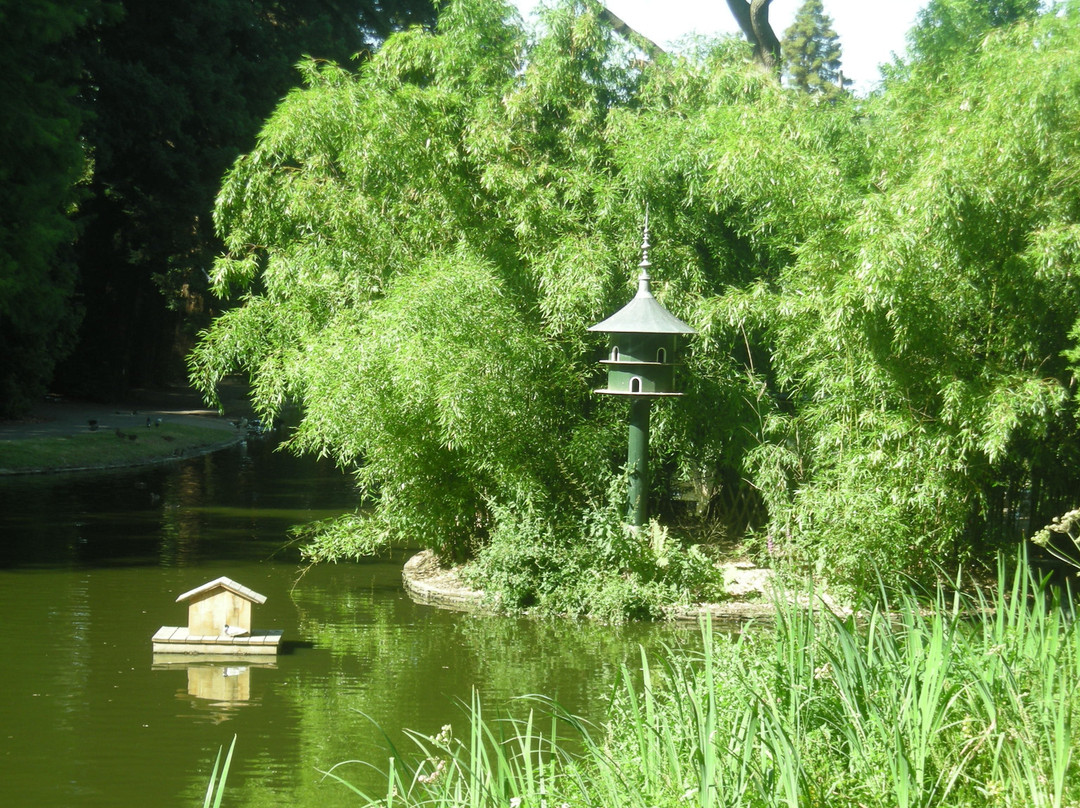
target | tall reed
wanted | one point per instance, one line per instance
(215, 789)
(959, 700)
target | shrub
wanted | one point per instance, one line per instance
(593, 565)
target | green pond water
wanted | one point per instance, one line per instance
(90, 567)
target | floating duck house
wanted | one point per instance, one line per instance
(219, 622)
(641, 361)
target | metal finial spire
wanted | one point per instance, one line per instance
(645, 248)
(643, 314)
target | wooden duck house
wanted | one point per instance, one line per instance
(219, 622)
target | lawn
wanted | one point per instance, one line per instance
(109, 448)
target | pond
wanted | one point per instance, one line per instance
(90, 567)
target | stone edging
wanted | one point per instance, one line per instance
(428, 582)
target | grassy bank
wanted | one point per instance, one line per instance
(109, 448)
(969, 703)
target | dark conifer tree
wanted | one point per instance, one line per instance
(173, 93)
(812, 52)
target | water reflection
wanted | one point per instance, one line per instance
(217, 687)
(90, 569)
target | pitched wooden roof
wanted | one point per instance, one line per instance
(225, 583)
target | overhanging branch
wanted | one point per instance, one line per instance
(635, 38)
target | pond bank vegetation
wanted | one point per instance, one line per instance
(969, 703)
(883, 290)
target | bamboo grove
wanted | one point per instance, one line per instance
(884, 288)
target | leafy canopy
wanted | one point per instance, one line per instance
(39, 175)
(883, 290)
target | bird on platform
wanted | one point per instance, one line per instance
(234, 631)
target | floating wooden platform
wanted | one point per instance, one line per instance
(179, 640)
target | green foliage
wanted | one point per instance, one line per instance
(969, 703)
(435, 337)
(593, 564)
(41, 166)
(910, 707)
(950, 30)
(918, 339)
(883, 292)
(172, 94)
(812, 53)
(215, 789)
(449, 392)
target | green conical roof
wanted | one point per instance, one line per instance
(643, 314)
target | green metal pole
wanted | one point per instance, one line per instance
(637, 459)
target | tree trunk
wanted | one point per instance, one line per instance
(753, 18)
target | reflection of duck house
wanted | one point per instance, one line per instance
(219, 622)
(217, 678)
(212, 683)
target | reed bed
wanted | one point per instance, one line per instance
(956, 699)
